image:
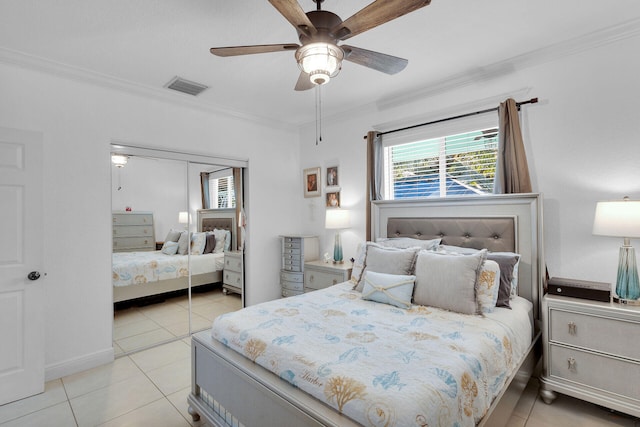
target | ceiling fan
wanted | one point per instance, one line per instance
(319, 31)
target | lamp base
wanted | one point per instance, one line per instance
(627, 284)
(337, 250)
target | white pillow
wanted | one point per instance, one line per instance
(227, 241)
(394, 289)
(221, 236)
(183, 243)
(488, 285)
(358, 263)
(170, 248)
(198, 241)
(408, 242)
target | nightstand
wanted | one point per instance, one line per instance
(233, 274)
(591, 352)
(320, 274)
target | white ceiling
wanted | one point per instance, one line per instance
(148, 42)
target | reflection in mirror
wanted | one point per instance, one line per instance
(158, 252)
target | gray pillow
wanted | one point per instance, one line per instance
(170, 248)
(183, 243)
(388, 260)
(172, 236)
(507, 263)
(211, 243)
(448, 281)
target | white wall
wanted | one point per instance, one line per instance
(582, 142)
(79, 121)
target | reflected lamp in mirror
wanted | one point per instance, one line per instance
(119, 160)
(622, 219)
(337, 219)
(183, 218)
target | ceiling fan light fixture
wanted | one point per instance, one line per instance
(119, 160)
(320, 60)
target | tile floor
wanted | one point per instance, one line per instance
(149, 388)
(136, 328)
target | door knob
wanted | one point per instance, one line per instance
(34, 275)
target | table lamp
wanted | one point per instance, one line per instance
(183, 218)
(337, 219)
(622, 219)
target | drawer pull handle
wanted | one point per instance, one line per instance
(571, 364)
(573, 328)
(311, 278)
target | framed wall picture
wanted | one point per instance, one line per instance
(332, 176)
(333, 200)
(311, 182)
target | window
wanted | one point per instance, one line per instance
(427, 165)
(221, 190)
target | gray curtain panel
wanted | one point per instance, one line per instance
(237, 184)
(512, 171)
(204, 190)
(374, 174)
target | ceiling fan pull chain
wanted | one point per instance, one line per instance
(318, 115)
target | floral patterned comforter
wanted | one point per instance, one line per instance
(381, 365)
(132, 268)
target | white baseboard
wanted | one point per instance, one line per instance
(78, 364)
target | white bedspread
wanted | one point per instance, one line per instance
(381, 365)
(131, 268)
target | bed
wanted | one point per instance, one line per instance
(309, 386)
(144, 274)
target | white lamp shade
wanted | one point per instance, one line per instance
(183, 218)
(119, 160)
(337, 219)
(617, 219)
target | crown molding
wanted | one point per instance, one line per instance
(536, 57)
(82, 75)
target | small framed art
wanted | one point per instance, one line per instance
(333, 200)
(311, 182)
(332, 176)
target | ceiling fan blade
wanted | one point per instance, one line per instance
(376, 60)
(249, 50)
(304, 83)
(293, 13)
(377, 13)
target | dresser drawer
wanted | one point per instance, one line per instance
(232, 263)
(133, 230)
(132, 219)
(291, 265)
(594, 370)
(292, 286)
(292, 253)
(291, 277)
(613, 336)
(134, 243)
(232, 278)
(291, 243)
(314, 279)
(290, 293)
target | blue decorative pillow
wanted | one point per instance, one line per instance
(170, 248)
(394, 289)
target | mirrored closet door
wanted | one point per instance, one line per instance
(175, 223)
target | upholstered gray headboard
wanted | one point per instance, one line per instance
(209, 224)
(496, 234)
(222, 219)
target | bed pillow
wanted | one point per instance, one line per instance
(387, 260)
(172, 236)
(198, 241)
(448, 281)
(488, 285)
(358, 263)
(227, 241)
(408, 242)
(210, 243)
(394, 289)
(220, 236)
(508, 262)
(183, 243)
(459, 250)
(169, 248)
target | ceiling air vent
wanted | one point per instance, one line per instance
(186, 86)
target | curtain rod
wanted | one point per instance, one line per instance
(488, 110)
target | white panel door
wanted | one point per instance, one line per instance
(21, 290)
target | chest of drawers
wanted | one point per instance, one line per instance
(296, 250)
(133, 231)
(591, 352)
(319, 274)
(233, 274)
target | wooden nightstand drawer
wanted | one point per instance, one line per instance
(314, 279)
(595, 332)
(232, 263)
(232, 278)
(597, 371)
